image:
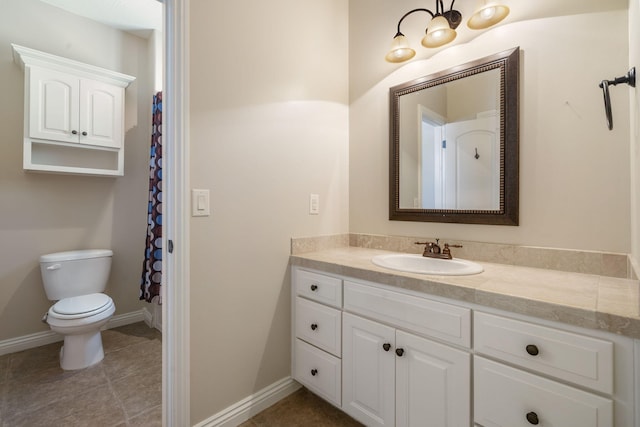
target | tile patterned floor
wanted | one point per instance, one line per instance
(301, 409)
(124, 389)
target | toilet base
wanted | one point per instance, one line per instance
(81, 351)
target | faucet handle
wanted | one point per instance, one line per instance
(447, 251)
(428, 248)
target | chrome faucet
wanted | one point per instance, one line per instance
(433, 250)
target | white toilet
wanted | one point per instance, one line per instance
(76, 280)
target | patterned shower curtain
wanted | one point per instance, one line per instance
(152, 266)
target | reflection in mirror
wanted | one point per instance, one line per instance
(454, 143)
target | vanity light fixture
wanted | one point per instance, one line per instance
(442, 27)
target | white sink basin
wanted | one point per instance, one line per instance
(411, 263)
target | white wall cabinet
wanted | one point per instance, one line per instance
(408, 359)
(74, 115)
(65, 108)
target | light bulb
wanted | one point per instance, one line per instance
(488, 12)
(437, 34)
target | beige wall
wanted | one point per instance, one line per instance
(42, 213)
(269, 125)
(574, 173)
(634, 61)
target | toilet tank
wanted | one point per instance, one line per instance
(74, 273)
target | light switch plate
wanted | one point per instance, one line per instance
(200, 203)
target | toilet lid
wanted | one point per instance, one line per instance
(81, 304)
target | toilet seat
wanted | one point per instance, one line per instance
(81, 306)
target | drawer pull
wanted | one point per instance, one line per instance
(399, 351)
(314, 372)
(532, 417)
(533, 350)
(386, 346)
(314, 326)
(314, 287)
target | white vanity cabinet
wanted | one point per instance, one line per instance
(393, 378)
(317, 339)
(73, 115)
(392, 374)
(530, 374)
(410, 359)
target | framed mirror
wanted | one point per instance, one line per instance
(454, 144)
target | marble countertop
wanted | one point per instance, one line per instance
(585, 300)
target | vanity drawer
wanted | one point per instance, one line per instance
(318, 287)
(319, 371)
(508, 397)
(319, 325)
(571, 357)
(446, 322)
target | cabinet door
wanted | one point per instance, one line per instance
(432, 384)
(368, 370)
(101, 114)
(53, 105)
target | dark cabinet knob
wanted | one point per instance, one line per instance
(75, 132)
(314, 372)
(532, 417)
(532, 350)
(84, 134)
(399, 351)
(314, 287)
(386, 346)
(314, 326)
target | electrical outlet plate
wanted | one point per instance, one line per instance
(314, 204)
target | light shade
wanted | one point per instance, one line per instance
(487, 15)
(400, 50)
(438, 33)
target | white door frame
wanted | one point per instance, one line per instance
(175, 301)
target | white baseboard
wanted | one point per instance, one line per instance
(153, 316)
(125, 319)
(147, 316)
(25, 342)
(243, 410)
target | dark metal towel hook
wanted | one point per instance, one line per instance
(477, 156)
(629, 78)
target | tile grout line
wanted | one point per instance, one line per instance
(115, 395)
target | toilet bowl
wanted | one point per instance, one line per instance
(76, 280)
(79, 320)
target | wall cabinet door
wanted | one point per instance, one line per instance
(432, 384)
(368, 370)
(66, 108)
(54, 108)
(392, 378)
(101, 114)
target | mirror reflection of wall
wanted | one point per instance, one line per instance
(450, 145)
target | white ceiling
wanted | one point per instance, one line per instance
(140, 16)
(137, 16)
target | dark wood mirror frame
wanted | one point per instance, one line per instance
(508, 64)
